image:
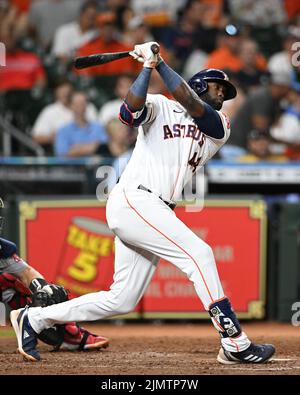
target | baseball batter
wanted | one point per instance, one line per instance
(175, 139)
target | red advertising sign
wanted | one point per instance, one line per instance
(70, 243)
(237, 235)
(71, 246)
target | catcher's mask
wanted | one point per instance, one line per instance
(1, 218)
(199, 82)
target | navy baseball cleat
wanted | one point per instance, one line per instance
(27, 338)
(255, 353)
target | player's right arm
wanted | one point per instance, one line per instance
(133, 110)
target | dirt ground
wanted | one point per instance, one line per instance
(157, 349)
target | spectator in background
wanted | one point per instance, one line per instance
(258, 13)
(79, 137)
(259, 148)
(252, 73)
(58, 114)
(260, 109)
(13, 14)
(22, 82)
(109, 110)
(138, 32)
(226, 55)
(281, 62)
(157, 12)
(196, 61)
(21, 5)
(107, 41)
(210, 16)
(124, 14)
(292, 8)
(69, 37)
(112, 5)
(46, 16)
(264, 20)
(188, 34)
(287, 129)
(120, 138)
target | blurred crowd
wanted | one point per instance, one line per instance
(72, 113)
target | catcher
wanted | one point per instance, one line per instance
(21, 285)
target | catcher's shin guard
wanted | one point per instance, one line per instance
(78, 338)
(53, 336)
(72, 337)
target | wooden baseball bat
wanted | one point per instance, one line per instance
(102, 58)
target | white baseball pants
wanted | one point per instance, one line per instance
(146, 229)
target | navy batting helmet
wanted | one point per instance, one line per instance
(199, 82)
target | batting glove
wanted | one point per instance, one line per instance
(143, 53)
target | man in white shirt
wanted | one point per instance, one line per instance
(58, 114)
(281, 62)
(69, 37)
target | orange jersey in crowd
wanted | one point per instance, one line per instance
(125, 65)
(223, 58)
(23, 70)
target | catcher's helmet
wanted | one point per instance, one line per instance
(199, 82)
(1, 218)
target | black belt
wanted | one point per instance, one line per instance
(169, 204)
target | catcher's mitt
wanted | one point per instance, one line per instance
(48, 295)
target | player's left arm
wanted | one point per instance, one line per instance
(133, 111)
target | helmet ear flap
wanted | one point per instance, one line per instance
(199, 85)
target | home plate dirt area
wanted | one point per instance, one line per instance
(157, 349)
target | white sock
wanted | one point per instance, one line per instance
(236, 344)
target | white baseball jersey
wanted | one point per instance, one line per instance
(169, 148)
